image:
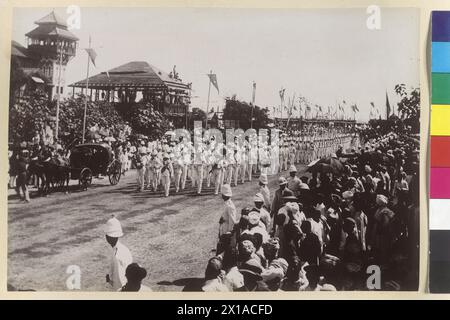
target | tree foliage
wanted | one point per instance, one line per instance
(17, 79)
(242, 111)
(34, 111)
(98, 113)
(29, 114)
(409, 106)
(144, 119)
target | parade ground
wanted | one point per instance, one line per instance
(171, 237)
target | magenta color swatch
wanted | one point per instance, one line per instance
(440, 183)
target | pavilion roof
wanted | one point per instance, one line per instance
(138, 74)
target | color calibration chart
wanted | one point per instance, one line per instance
(439, 207)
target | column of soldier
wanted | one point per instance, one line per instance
(163, 163)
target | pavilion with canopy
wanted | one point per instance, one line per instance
(136, 81)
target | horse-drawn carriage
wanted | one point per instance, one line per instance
(89, 160)
(85, 162)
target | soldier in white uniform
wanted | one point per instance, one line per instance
(121, 256)
(298, 148)
(237, 165)
(166, 174)
(253, 158)
(244, 161)
(186, 152)
(141, 162)
(230, 164)
(292, 154)
(154, 170)
(178, 165)
(198, 168)
(217, 172)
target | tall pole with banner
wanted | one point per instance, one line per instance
(207, 103)
(253, 103)
(212, 80)
(87, 86)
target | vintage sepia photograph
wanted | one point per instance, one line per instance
(213, 149)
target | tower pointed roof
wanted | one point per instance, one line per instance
(52, 18)
(52, 26)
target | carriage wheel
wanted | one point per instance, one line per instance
(114, 172)
(85, 178)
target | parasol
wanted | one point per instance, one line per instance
(112, 139)
(326, 165)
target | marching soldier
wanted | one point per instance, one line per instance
(298, 150)
(178, 165)
(253, 158)
(154, 170)
(198, 169)
(217, 172)
(237, 165)
(244, 161)
(140, 160)
(166, 174)
(292, 153)
(230, 164)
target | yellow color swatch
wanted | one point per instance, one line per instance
(440, 120)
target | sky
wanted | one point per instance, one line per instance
(325, 55)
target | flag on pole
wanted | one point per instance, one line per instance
(355, 108)
(92, 55)
(253, 93)
(388, 107)
(213, 79)
(282, 93)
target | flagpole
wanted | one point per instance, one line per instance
(59, 90)
(253, 103)
(86, 97)
(281, 108)
(207, 104)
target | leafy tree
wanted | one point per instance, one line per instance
(144, 119)
(242, 111)
(17, 79)
(28, 115)
(100, 113)
(409, 106)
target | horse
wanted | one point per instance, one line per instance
(56, 175)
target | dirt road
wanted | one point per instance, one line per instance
(171, 237)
